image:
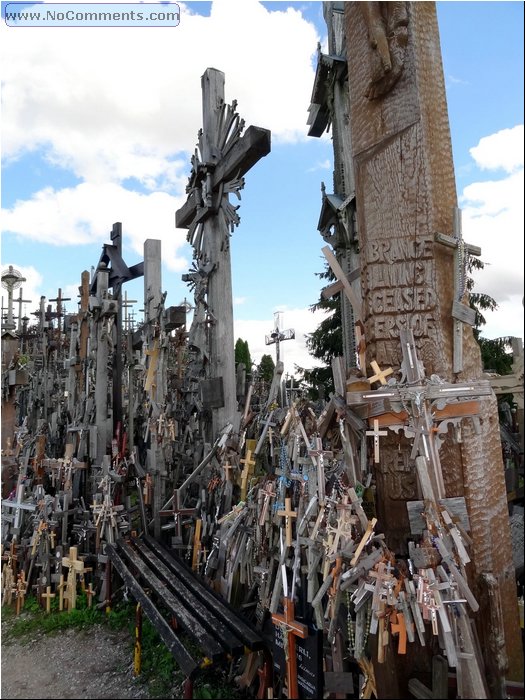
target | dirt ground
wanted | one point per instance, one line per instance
(74, 663)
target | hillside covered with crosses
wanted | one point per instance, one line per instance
(360, 545)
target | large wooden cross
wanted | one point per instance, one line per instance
(218, 166)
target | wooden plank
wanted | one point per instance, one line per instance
(338, 272)
(418, 690)
(183, 615)
(456, 506)
(186, 663)
(463, 313)
(339, 682)
(217, 628)
(439, 677)
(249, 635)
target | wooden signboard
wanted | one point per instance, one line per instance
(309, 662)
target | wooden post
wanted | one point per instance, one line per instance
(102, 416)
(137, 656)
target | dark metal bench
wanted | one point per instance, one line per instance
(167, 589)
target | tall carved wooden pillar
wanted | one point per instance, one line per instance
(405, 196)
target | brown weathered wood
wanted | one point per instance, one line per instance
(183, 614)
(186, 663)
(186, 593)
(254, 145)
(240, 627)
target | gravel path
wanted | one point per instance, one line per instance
(75, 663)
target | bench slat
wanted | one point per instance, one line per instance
(189, 622)
(186, 663)
(222, 610)
(213, 624)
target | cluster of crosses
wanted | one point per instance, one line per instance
(141, 431)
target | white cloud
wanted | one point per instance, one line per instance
(122, 106)
(493, 219)
(84, 214)
(501, 150)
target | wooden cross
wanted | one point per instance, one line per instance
(177, 511)
(89, 594)
(48, 595)
(21, 301)
(342, 283)
(20, 591)
(269, 492)
(224, 156)
(197, 544)
(461, 313)
(397, 626)
(364, 540)
(246, 473)
(60, 588)
(380, 374)
(76, 567)
(152, 367)
(59, 299)
(377, 434)
(319, 454)
(288, 514)
(343, 530)
(19, 505)
(424, 404)
(292, 629)
(227, 471)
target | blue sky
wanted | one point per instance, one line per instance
(99, 124)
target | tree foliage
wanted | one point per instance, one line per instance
(242, 354)
(325, 343)
(266, 368)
